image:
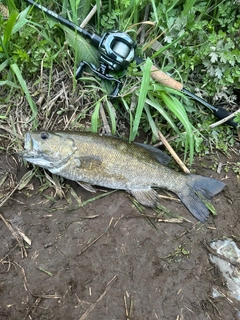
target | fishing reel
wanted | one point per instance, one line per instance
(116, 52)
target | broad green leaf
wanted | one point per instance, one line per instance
(84, 51)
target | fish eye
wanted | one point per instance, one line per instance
(44, 135)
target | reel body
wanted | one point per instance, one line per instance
(116, 52)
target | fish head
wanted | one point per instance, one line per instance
(47, 149)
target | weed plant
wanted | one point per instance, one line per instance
(197, 42)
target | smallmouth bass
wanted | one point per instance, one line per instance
(111, 162)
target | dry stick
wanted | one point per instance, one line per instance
(215, 253)
(24, 275)
(7, 254)
(143, 27)
(224, 119)
(15, 235)
(169, 198)
(89, 16)
(173, 153)
(104, 120)
(5, 128)
(9, 195)
(109, 285)
(227, 299)
(99, 237)
(32, 309)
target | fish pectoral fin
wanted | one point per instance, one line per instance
(87, 186)
(147, 197)
(88, 162)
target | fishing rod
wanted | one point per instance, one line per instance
(116, 51)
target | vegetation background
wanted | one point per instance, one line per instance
(196, 42)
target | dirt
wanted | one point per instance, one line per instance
(107, 260)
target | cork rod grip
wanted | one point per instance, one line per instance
(164, 79)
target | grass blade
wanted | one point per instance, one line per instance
(9, 83)
(142, 98)
(95, 116)
(155, 104)
(188, 6)
(168, 46)
(112, 115)
(8, 31)
(150, 120)
(23, 84)
(177, 108)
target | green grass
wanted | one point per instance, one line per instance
(15, 23)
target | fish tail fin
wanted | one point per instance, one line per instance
(198, 189)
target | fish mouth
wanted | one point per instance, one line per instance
(30, 150)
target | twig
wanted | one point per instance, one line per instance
(227, 299)
(89, 16)
(169, 198)
(109, 285)
(173, 153)
(33, 308)
(99, 237)
(24, 276)
(5, 128)
(104, 120)
(224, 119)
(15, 235)
(128, 308)
(7, 254)
(213, 252)
(143, 27)
(171, 220)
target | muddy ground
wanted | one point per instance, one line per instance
(106, 260)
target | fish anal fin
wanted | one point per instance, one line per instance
(87, 186)
(147, 197)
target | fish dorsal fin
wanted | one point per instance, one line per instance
(87, 186)
(147, 197)
(88, 162)
(159, 155)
